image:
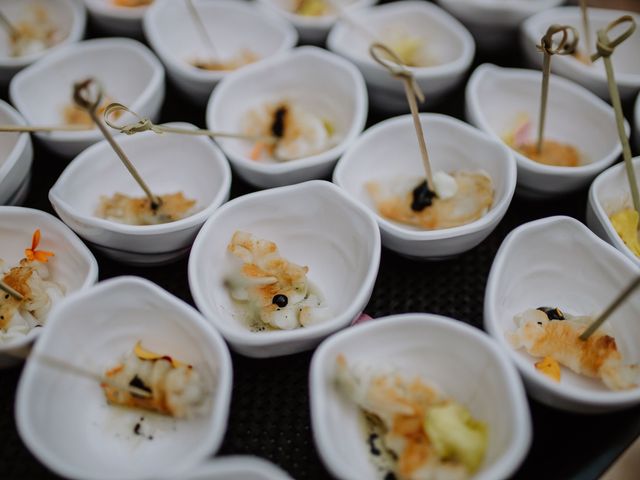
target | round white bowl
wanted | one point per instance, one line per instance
(128, 70)
(116, 20)
(320, 81)
(236, 467)
(312, 30)
(495, 22)
(16, 157)
(557, 261)
(495, 96)
(68, 15)
(452, 145)
(609, 193)
(626, 61)
(233, 26)
(313, 224)
(168, 163)
(442, 32)
(460, 360)
(65, 420)
(73, 265)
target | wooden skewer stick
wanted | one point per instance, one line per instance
(586, 27)
(380, 53)
(605, 48)
(610, 309)
(82, 95)
(566, 46)
(42, 128)
(202, 29)
(11, 291)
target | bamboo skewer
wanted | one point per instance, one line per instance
(202, 29)
(586, 27)
(11, 291)
(43, 128)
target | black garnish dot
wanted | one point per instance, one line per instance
(539, 323)
(150, 437)
(1, 317)
(372, 444)
(36, 326)
(6, 296)
(280, 300)
(422, 197)
(390, 476)
(138, 383)
(136, 428)
(277, 127)
(552, 313)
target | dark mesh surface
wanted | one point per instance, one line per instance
(270, 408)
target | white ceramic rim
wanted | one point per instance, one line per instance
(251, 339)
(526, 7)
(21, 144)
(301, 21)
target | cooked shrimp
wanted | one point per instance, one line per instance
(137, 210)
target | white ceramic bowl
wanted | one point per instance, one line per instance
(312, 30)
(557, 261)
(233, 26)
(236, 467)
(73, 265)
(128, 70)
(452, 145)
(626, 60)
(441, 33)
(608, 194)
(65, 420)
(493, 23)
(16, 157)
(169, 164)
(460, 360)
(314, 224)
(68, 15)
(319, 81)
(495, 97)
(116, 20)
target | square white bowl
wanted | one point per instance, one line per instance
(626, 61)
(236, 467)
(452, 145)
(73, 266)
(461, 361)
(608, 194)
(558, 262)
(495, 96)
(129, 72)
(440, 31)
(320, 81)
(64, 419)
(168, 163)
(232, 26)
(314, 224)
(68, 15)
(115, 20)
(16, 157)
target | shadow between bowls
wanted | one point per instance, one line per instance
(16, 158)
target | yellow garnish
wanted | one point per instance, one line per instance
(144, 354)
(328, 126)
(625, 223)
(311, 8)
(409, 50)
(550, 367)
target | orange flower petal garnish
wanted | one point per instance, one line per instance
(32, 254)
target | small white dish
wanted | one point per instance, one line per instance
(494, 22)
(389, 149)
(69, 17)
(313, 224)
(608, 194)
(233, 26)
(626, 61)
(320, 81)
(496, 97)
(116, 20)
(128, 71)
(73, 265)
(461, 361)
(16, 157)
(168, 163)
(558, 262)
(236, 467)
(311, 29)
(64, 419)
(440, 32)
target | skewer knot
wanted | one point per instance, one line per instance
(566, 46)
(604, 46)
(388, 59)
(87, 94)
(142, 125)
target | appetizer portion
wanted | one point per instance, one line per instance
(245, 57)
(274, 293)
(460, 197)
(298, 132)
(411, 49)
(312, 8)
(132, 3)
(553, 153)
(35, 33)
(122, 208)
(553, 335)
(414, 432)
(625, 223)
(173, 388)
(32, 279)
